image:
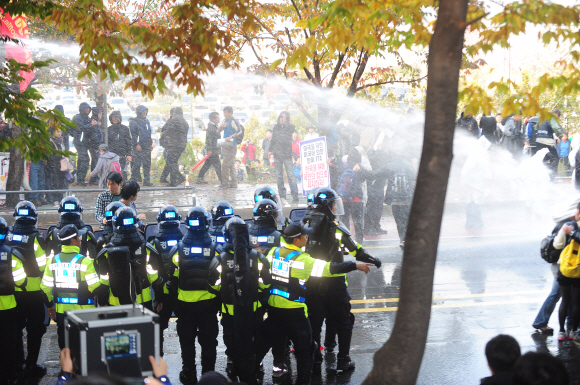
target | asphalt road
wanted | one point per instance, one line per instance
(487, 283)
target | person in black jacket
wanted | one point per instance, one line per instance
(174, 137)
(54, 178)
(120, 140)
(94, 140)
(468, 123)
(488, 124)
(84, 129)
(142, 145)
(281, 147)
(211, 138)
(502, 352)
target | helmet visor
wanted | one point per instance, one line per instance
(337, 206)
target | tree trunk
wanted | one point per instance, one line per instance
(15, 171)
(399, 360)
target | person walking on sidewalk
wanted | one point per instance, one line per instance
(211, 138)
(231, 129)
(175, 137)
(142, 146)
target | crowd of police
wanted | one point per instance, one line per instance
(198, 266)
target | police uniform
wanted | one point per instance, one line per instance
(328, 297)
(287, 306)
(255, 277)
(132, 264)
(12, 275)
(107, 231)
(194, 260)
(167, 237)
(25, 238)
(69, 280)
(70, 211)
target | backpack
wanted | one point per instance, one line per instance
(570, 260)
(346, 184)
(113, 165)
(241, 133)
(401, 186)
(547, 250)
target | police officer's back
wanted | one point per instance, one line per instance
(108, 229)
(267, 192)
(69, 280)
(70, 211)
(12, 275)
(194, 262)
(132, 263)
(24, 237)
(220, 213)
(263, 229)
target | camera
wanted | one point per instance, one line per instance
(113, 340)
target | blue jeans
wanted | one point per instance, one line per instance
(547, 308)
(36, 178)
(279, 165)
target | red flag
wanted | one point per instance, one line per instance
(199, 163)
(17, 28)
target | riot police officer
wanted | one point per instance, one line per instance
(12, 275)
(132, 264)
(220, 213)
(70, 210)
(197, 302)
(263, 229)
(107, 231)
(287, 306)
(24, 237)
(267, 192)
(328, 296)
(167, 237)
(244, 275)
(69, 279)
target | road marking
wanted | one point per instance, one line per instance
(454, 305)
(460, 296)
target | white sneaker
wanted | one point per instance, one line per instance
(562, 336)
(572, 334)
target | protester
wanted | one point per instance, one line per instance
(249, 151)
(175, 137)
(108, 162)
(36, 179)
(281, 148)
(94, 139)
(54, 177)
(142, 146)
(512, 131)
(468, 124)
(296, 144)
(231, 129)
(311, 133)
(502, 352)
(488, 125)
(113, 194)
(240, 174)
(120, 140)
(82, 132)
(129, 194)
(266, 147)
(211, 139)
(563, 149)
(353, 205)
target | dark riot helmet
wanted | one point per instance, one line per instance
(111, 210)
(264, 209)
(310, 196)
(168, 214)
(326, 199)
(125, 219)
(3, 230)
(226, 229)
(197, 219)
(25, 212)
(70, 207)
(265, 192)
(222, 210)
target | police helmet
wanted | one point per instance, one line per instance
(70, 207)
(310, 196)
(111, 210)
(69, 232)
(125, 219)
(265, 192)
(197, 219)
(226, 229)
(3, 229)
(168, 214)
(327, 199)
(25, 212)
(222, 210)
(265, 208)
